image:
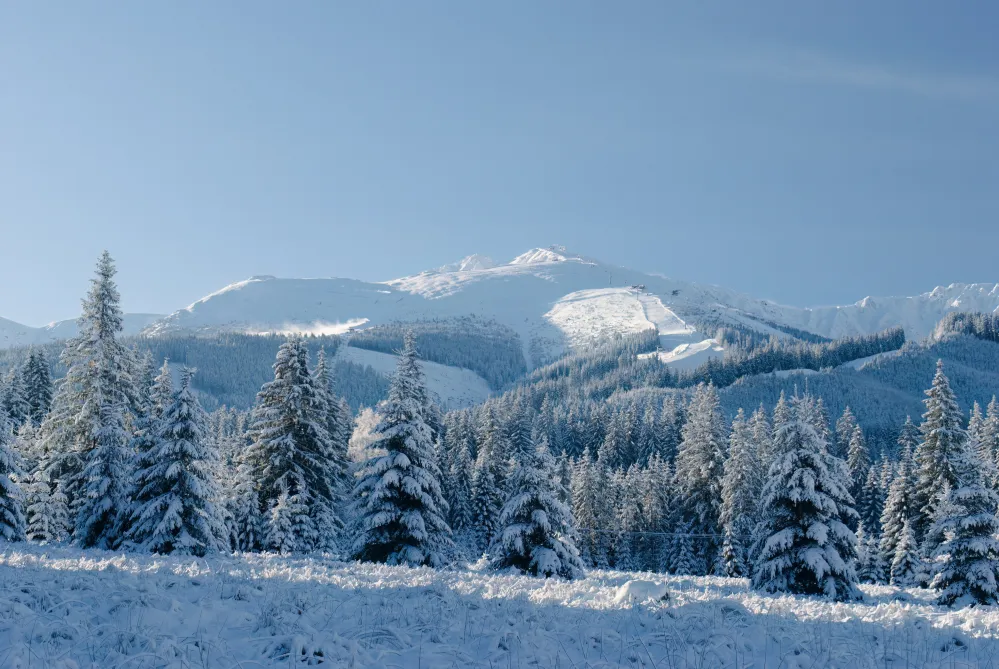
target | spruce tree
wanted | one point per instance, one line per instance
(489, 479)
(805, 546)
(871, 566)
(176, 507)
(943, 442)
(990, 431)
(627, 520)
(13, 399)
(869, 504)
(584, 508)
(243, 503)
(38, 386)
(339, 426)
(976, 425)
(782, 414)
(968, 557)
(907, 567)
(858, 460)
(161, 392)
(900, 509)
(742, 484)
(12, 525)
(462, 514)
(699, 468)
(908, 439)
(86, 432)
(47, 513)
(291, 455)
(536, 529)
(845, 428)
(399, 507)
(763, 435)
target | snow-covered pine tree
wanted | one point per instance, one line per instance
(990, 430)
(583, 508)
(871, 566)
(682, 559)
(536, 529)
(27, 447)
(869, 504)
(900, 508)
(943, 441)
(968, 558)
(399, 507)
(291, 454)
(617, 450)
(858, 461)
(976, 421)
(782, 414)
(161, 392)
(742, 484)
(37, 386)
(176, 506)
(46, 510)
(820, 421)
(287, 522)
(339, 426)
(908, 440)
(646, 438)
(14, 400)
(763, 437)
(517, 426)
(699, 467)
(657, 504)
(627, 542)
(805, 546)
(85, 432)
(672, 416)
(461, 516)
(489, 479)
(243, 504)
(845, 427)
(907, 567)
(12, 524)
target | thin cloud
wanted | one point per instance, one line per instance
(805, 67)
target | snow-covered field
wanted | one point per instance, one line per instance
(65, 608)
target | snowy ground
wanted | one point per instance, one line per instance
(65, 608)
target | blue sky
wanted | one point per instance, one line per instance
(805, 152)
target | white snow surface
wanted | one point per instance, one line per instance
(455, 387)
(689, 356)
(69, 609)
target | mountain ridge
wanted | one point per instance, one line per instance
(552, 298)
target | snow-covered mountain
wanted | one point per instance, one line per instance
(553, 298)
(550, 297)
(14, 334)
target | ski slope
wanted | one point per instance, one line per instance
(68, 609)
(454, 387)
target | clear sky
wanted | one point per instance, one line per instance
(805, 152)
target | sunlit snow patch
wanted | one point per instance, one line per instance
(589, 315)
(689, 356)
(318, 328)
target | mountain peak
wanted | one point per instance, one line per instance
(538, 255)
(476, 261)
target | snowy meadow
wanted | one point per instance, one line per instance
(67, 608)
